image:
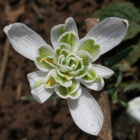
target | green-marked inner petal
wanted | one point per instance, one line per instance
(71, 39)
(62, 29)
(62, 80)
(65, 46)
(89, 46)
(61, 60)
(81, 73)
(43, 52)
(90, 76)
(75, 85)
(74, 94)
(78, 68)
(64, 75)
(63, 49)
(62, 90)
(98, 79)
(48, 60)
(50, 82)
(43, 64)
(85, 56)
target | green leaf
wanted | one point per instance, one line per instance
(119, 77)
(118, 57)
(116, 99)
(134, 55)
(30, 98)
(124, 104)
(125, 10)
(27, 98)
(131, 86)
(114, 96)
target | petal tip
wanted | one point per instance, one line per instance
(69, 18)
(7, 28)
(125, 22)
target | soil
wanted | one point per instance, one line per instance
(29, 120)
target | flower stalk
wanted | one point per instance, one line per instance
(101, 96)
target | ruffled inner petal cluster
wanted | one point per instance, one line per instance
(70, 63)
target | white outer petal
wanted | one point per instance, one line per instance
(97, 86)
(109, 33)
(40, 94)
(103, 71)
(71, 27)
(86, 113)
(133, 109)
(24, 40)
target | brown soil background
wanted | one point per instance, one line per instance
(29, 120)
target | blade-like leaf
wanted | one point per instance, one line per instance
(118, 57)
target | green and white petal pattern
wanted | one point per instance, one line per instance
(76, 94)
(38, 90)
(24, 40)
(89, 45)
(44, 60)
(70, 38)
(83, 72)
(84, 55)
(64, 75)
(74, 87)
(64, 92)
(58, 51)
(109, 33)
(96, 85)
(89, 77)
(103, 71)
(86, 113)
(58, 30)
(61, 80)
(50, 81)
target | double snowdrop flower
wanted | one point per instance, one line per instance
(133, 109)
(69, 63)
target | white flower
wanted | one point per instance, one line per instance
(133, 109)
(63, 68)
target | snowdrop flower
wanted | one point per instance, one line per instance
(69, 63)
(133, 109)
